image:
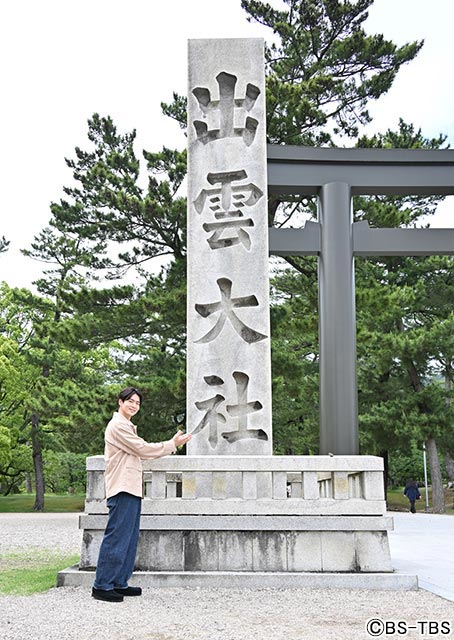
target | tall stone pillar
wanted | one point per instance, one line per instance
(228, 352)
(337, 327)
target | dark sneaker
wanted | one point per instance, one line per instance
(129, 591)
(107, 596)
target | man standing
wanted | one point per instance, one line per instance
(412, 492)
(124, 452)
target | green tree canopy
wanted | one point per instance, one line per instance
(108, 310)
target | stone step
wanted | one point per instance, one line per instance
(72, 577)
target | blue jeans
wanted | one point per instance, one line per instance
(117, 553)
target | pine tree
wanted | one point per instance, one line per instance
(322, 72)
(4, 244)
(405, 320)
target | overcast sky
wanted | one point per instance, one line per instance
(63, 60)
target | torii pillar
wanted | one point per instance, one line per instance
(335, 175)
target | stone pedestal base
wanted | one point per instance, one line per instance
(252, 543)
(252, 521)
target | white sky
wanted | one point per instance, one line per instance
(63, 60)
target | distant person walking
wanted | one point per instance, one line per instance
(124, 451)
(412, 492)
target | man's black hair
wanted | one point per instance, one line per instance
(127, 393)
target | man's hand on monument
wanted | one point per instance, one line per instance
(181, 438)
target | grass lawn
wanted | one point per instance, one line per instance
(26, 573)
(23, 502)
(396, 501)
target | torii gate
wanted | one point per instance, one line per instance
(335, 175)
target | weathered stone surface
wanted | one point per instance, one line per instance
(324, 464)
(91, 542)
(341, 485)
(228, 346)
(370, 487)
(267, 485)
(338, 551)
(201, 550)
(304, 553)
(238, 506)
(252, 550)
(249, 523)
(95, 484)
(160, 550)
(72, 577)
(269, 551)
(235, 551)
(372, 551)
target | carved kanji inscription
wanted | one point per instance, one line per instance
(226, 106)
(227, 203)
(238, 412)
(225, 308)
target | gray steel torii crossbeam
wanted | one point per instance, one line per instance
(335, 175)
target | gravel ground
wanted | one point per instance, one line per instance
(69, 613)
(36, 531)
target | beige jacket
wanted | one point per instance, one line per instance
(123, 452)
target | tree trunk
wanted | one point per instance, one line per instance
(449, 464)
(28, 482)
(449, 460)
(38, 465)
(384, 455)
(438, 496)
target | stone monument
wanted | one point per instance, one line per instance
(229, 513)
(228, 344)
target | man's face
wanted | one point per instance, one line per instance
(130, 407)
